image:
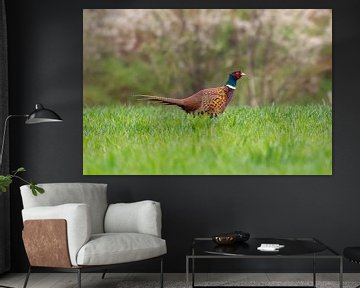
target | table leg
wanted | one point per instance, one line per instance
(187, 272)
(341, 273)
(314, 271)
(193, 272)
(193, 267)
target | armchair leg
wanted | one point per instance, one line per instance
(27, 277)
(161, 273)
(79, 277)
(103, 275)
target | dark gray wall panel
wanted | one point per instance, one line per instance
(45, 50)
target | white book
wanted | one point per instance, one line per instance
(270, 247)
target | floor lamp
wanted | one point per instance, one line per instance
(39, 115)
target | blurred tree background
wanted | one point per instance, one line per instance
(287, 54)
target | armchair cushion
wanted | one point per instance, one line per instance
(78, 221)
(138, 217)
(92, 194)
(113, 248)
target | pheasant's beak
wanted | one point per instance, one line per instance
(243, 74)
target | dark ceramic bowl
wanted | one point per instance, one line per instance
(241, 236)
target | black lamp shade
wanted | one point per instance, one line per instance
(42, 115)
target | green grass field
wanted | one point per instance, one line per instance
(162, 140)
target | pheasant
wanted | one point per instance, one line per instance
(211, 101)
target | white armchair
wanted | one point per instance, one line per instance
(72, 228)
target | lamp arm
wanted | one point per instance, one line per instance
(4, 134)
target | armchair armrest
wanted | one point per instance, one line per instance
(77, 219)
(138, 217)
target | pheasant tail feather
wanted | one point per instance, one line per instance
(163, 100)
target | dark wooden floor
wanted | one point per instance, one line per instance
(118, 280)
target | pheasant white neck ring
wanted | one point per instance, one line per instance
(231, 87)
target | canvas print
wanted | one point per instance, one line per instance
(207, 92)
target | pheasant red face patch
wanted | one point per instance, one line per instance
(237, 74)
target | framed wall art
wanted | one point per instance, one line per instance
(207, 92)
